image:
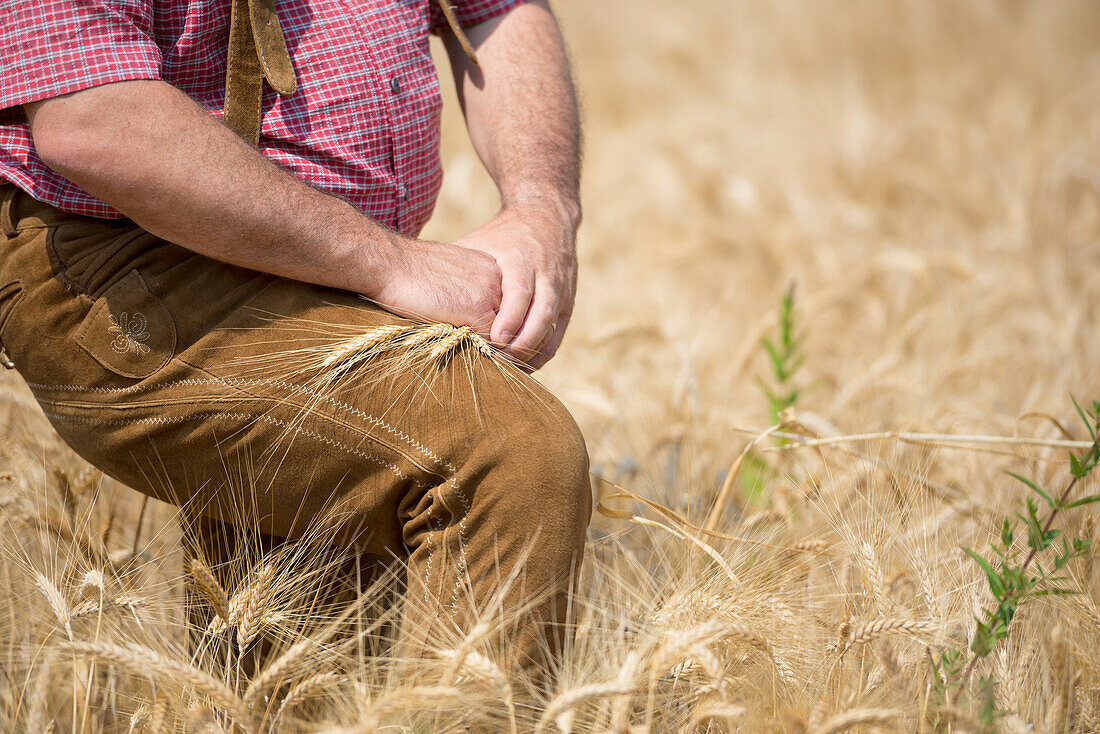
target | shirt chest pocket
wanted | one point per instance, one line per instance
(129, 330)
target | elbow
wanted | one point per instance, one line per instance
(69, 146)
(59, 148)
(80, 134)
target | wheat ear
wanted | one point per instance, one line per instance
(856, 717)
(452, 341)
(254, 601)
(150, 717)
(56, 600)
(364, 345)
(717, 710)
(562, 709)
(143, 661)
(93, 606)
(403, 698)
(1058, 709)
(303, 690)
(873, 630)
(569, 700)
(873, 577)
(91, 583)
(208, 585)
(275, 672)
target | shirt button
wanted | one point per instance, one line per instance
(404, 192)
(395, 85)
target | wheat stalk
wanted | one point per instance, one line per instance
(38, 703)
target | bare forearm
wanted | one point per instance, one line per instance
(521, 107)
(152, 153)
(521, 112)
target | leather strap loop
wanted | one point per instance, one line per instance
(271, 45)
(257, 49)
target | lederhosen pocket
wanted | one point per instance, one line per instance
(129, 330)
(83, 282)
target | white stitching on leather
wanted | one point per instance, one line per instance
(252, 381)
(166, 420)
(462, 565)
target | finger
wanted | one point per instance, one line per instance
(538, 325)
(551, 347)
(517, 288)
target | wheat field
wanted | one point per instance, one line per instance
(926, 175)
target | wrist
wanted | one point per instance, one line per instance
(565, 208)
(373, 258)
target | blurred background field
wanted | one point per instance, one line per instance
(927, 175)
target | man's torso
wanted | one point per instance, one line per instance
(364, 123)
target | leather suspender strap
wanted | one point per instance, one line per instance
(456, 28)
(257, 51)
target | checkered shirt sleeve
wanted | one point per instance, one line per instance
(53, 47)
(472, 12)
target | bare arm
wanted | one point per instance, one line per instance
(148, 150)
(521, 112)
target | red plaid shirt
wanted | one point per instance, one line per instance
(364, 123)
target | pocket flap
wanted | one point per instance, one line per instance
(129, 331)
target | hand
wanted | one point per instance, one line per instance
(534, 246)
(434, 281)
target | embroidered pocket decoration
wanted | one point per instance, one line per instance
(129, 331)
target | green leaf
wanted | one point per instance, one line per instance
(1056, 591)
(1085, 417)
(773, 354)
(1033, 485)
(996, 584)
(1006, 534)
(983, 641)
(1084, 501)
(1064, 557)
(1076, 467)
(1035, 534)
